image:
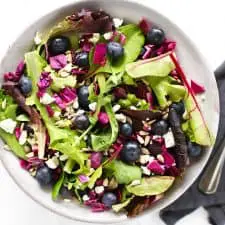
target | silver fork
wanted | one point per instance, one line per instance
(210, 178)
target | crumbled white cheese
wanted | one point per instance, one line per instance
(8, 125)
(99, 189)
(46, 99)
(64, 73)
(57, 115)
(76, 104)
(95, 38)
(108, 35)
(169, 139)
(144, 159)
(92, 106)
(52, 163)
(85, 198)
(68, 67)
(37, 39)
(30, 155)
(116, 108)
(145, 170)
(117, 22)
(135, 182)
(48, 68)
(121, 117)
(23, 137)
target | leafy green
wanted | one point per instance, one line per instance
(154, 67)
(70, 163)
(151, 186)
(132, 100)
(134, 42)
(103, 140)
(166, 90)
(119, 207)
(57, 186)
(195, 127)
(14, 145)
(22, 118)
(60, 139)
(123, 173)
(62, 82)
(97, 174)
(128, 80)
(8, 111)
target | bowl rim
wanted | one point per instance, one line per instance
(166, 203)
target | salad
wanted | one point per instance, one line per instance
(102, 112)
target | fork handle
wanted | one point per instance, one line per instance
(210, 179)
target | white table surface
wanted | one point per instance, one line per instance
(202, 20)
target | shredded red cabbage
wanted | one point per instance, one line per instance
(168, 159)
(83, 178)
(197, 88)
(68, 94)
(44, 81)
(96, 159)
(155, 167)
(145, 25)
(49, 110)
(100, 54)
(59, 101)
(58, 62)
(17, 132)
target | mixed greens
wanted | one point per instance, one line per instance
(103, 113)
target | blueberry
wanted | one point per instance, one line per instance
(115, 50)
(109, 199)
(81, 122)
(25, 85)
(155, 36)
(126, 129)
(160, 127)
(58, 45)
(44, 175)
(82, 59)
(83, 94)
(194, 150)
(179, 107)
(65, 193)
(131, 152)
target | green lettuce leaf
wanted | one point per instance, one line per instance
(57, 186)
(59, 83)
(151, 186)
(13, 144)
(195, 127)
(123, 173)
(134, 42)
(118, 207)
(62, 140)
(154, 67)
(8, 111)
(103, 140)
(97, 174)
(166, 90)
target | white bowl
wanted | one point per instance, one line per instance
(194, 66)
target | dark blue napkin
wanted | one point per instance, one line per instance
(193, 198)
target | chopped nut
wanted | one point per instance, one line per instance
(105, 182)
(95, 38)
(160, 158)
(140, 140)
(144, 159)
(23, 137)
(145, 170)
(165, 116)
(133, 107)
(147, 139)
(108, 35)
(85, 198)
(121, 117)
(56, 115)
(145, 151)
(64, 73)
(143, 133)
(99, 189)
(27, 148)
(129, 120)
(116, 108)
(80, 112)
(113, 184)
(30, 155)
(135, 182)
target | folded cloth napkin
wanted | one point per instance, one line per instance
(193, 198)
